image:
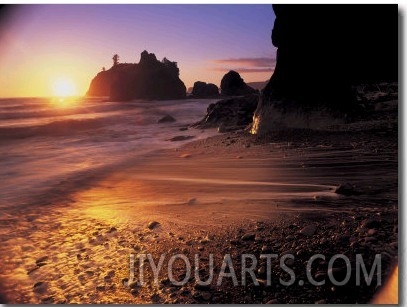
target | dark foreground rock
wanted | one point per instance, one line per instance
(315, 83)
(205, 90)
(149, 79)
(233, 85)
(229, 114)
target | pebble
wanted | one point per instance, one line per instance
(100, 287)
(266, 249)
(153, 224)
(346, 189)
(273, 301)
(42, 259)
(192, 201)
(308, 230)
(248, 237)
(166, 119)
(133, 285)
(112, 229)
(206, 296)
(370, 223)
(262, 271)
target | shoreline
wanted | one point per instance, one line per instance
(207, 195)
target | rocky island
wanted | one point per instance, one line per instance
(150, 79)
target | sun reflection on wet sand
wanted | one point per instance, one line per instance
(78, 253)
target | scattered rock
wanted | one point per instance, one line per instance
(206, 296)
(100, 287)
(248, 237)
(179, 138)
(192, 201)
(308, 230)
(273, 301)
(185, 155)
(153, 224)
(42, 259)
(347, 189)
(112, 229)
(166, 119)
(370, 224)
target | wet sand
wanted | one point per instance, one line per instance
(206, 196)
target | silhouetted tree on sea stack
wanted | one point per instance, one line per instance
(115, 59)
(322, 51)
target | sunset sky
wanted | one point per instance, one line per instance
(42, 43)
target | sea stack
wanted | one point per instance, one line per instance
(150, 79)
(323, 50)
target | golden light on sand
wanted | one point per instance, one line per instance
(64, 87)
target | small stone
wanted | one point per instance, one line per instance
(273, 301)
(185, 155)
(206, 296)
(320, 302)
(32, 269)
(371, 232)
(134, 291)
(153, 224)
(263, 282)
(266, 249)
(370, 223)
(100, 287)
(166, 119)
(248, 237)
(42, 259)
(112, 229)
(192, 201)
(346, 189)
(262, 271)
(308, 230)
(133, 285)
(47, 300)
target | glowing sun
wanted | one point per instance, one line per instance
(63, 87)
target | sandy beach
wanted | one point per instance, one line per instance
(233, 193)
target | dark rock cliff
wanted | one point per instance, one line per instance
(149, 79)
(322, 51)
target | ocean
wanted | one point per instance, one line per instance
(55, 144)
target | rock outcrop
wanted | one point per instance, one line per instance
(322, 51)
(233, 85)
(149, 79)
(230, 114)
(205, 90)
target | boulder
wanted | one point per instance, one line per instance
(230, 114)
(233, 85)
(205, 90)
